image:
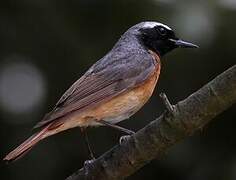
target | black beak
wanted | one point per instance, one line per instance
(183, 44)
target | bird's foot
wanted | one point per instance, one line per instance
(89, 162)
(124, 139)
(166, 102)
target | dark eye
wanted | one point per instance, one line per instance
(162, 31)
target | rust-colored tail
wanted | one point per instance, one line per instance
(22, 149)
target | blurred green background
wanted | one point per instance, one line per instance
(46, 45)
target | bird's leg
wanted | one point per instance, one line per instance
(84, 132)
(122, 138)
(166, 102)
(127, 131)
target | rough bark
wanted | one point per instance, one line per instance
(157, 137)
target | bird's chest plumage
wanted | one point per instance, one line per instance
(129, 102)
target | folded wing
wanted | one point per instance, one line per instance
(96, 87)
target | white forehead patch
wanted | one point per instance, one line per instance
(153, 24)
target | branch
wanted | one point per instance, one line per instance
(157, 137)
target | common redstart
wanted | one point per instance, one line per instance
(114, 88)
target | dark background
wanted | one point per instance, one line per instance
(46, 45)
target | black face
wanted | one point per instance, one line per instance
(161, 39)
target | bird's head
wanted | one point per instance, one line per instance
(159, 37)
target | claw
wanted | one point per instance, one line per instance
(88, 162)
(124, 139)
(88, 165)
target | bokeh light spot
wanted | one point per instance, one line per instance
(195, 22)
(230, 4)
(22, 86)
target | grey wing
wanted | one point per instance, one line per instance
(94, 88)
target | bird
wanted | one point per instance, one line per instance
(112, 89)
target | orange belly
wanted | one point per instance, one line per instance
(117, 109)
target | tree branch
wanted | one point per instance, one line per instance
(158, 136)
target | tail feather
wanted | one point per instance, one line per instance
(22, 149)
